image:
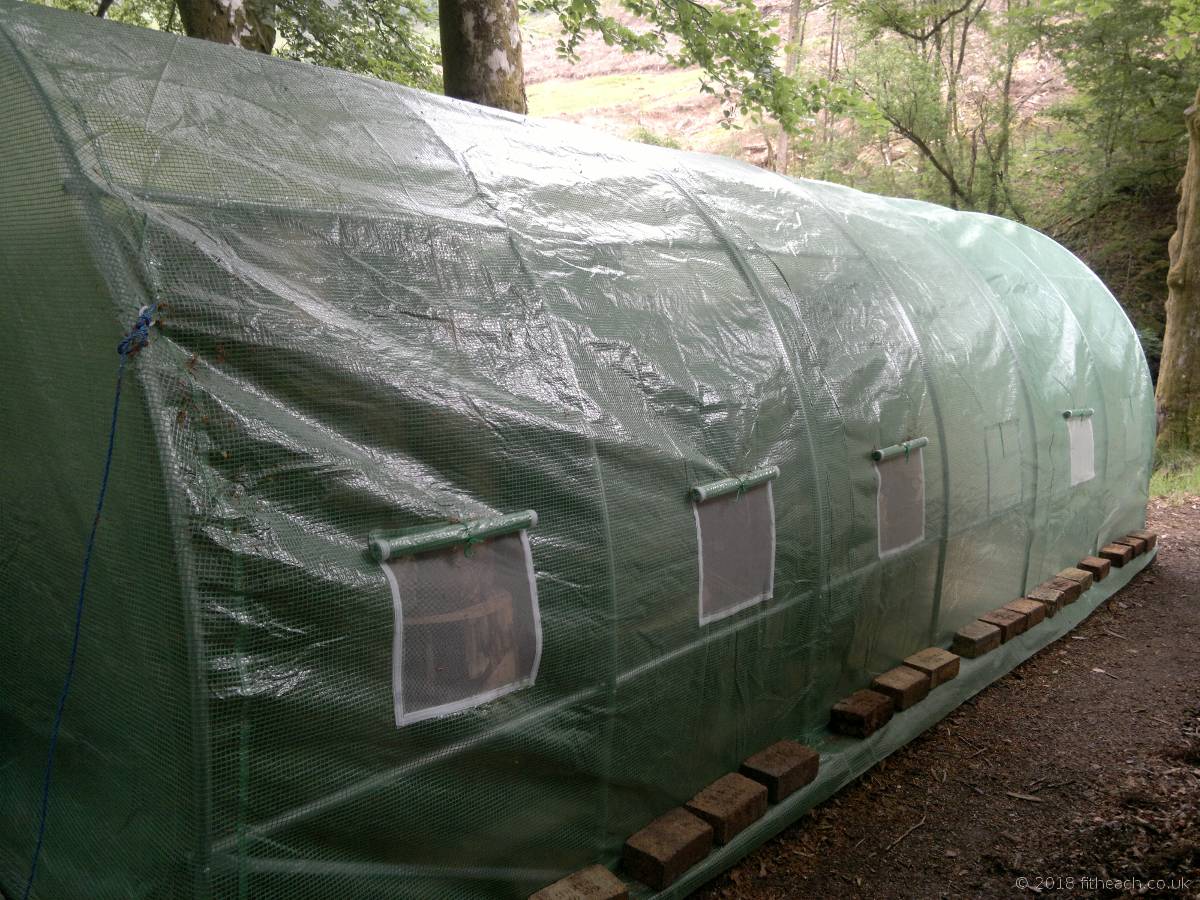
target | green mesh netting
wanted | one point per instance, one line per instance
(384, 311)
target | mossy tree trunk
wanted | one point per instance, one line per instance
(1178, 394)
(243, 23)
(481, 52)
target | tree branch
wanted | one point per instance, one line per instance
(933, 29)
(927, 151)
(917, 141)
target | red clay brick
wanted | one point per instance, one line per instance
(1069, 589)
(904, 684)
(783, 768)
(1083, 576)
(1150, 537)
(1034, 609)
(1009, 621)
(1097, 566)
(975, 639)
(940, 665)
(1050, 598)
(729, 805)
(667, 847)
(592, 883)
(1117, 554)
(1138, 544)
(861, 714)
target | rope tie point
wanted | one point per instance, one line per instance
(136, 339)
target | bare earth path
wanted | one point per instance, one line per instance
(1078, 772)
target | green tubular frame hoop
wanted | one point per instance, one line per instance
(902, 449)
(740, 484)
(385, 545)
(1083, 413)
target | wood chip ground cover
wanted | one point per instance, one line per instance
(1078, 774)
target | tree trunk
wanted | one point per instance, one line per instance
(1178, 394)
(794, 39)
(481, 52)
(243, 23)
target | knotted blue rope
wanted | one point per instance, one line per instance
(137, 338)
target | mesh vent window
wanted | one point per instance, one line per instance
(467, 626)
(1083, 450)
(736, 536)
(901, 502)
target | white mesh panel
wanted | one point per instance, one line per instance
(901, 502)
(467, 626)
(736, 536)
(1083, 451)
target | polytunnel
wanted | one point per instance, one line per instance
(488, 485)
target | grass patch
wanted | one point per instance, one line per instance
(646, 136)
(563, 97)
(1176, 476)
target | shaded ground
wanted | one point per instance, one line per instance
(1080, 766)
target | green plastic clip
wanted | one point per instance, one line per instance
(902, 449)
(385, 546)
(739, 484)
(1078, 413)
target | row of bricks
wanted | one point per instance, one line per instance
(865, 712)
(677, 840)
(992, 629)
(674, 842)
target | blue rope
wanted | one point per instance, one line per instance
(130, 345)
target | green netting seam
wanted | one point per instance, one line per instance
(736, 484)
(385, 546)
(904, 448)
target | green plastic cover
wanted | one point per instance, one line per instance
(383, 311)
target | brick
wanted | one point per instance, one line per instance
(975, 639)
(1083, 576)
(1048, 597)
(667, 847)
(592, 883)
(729, 804)
(1010, 622)
(1117, 554)
(940, 665)
(783, 768)
(1097, 566)
(1150, 537)
(1069, 589)
(1139, 545)
(861, 714)
(904, 684)
(1032, 608)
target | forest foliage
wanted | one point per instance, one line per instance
(957, 91)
